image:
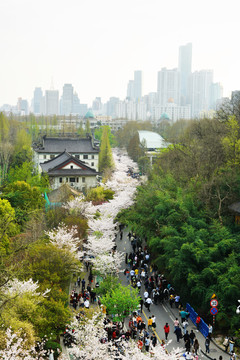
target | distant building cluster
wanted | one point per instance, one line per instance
(181, 94)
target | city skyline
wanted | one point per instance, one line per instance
(97, 46)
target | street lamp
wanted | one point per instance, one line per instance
(238, 308)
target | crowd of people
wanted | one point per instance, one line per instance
(83, 295)
(157, 290)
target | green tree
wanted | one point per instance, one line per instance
(24, 198)
(134, 148)
(105, 155)
(88, 127)
(8, 225)
(231, 142)
(121, 301)
(98, 135)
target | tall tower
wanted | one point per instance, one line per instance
(168, 86)
(52, 102)
(67, 100)
(37, 99)
(200, 91)
(185, 69)
(137, 85)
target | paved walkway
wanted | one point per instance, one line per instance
(164, 313)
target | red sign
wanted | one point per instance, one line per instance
(213, 311)
(214, 303)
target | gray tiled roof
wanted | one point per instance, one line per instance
(51, 164)
(71, 145)
(73, 172)
(54, 167)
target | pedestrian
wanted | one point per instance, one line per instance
(171, 300)
(141, 303)
(79, 281)
(178, 333)
(186, 336)
(166, 330)
(231, 344)
(192, 337)
(83, 285)
(51, 355)
(154, 339)
(226, 343)
(207, 345)
(139, 285)
(188, 355)
(177, 301)
(86, 304)
(198, 321)
(185, 325)
(148, 303)
(150, 323)
(210, 330)
(196, 346)
(121, 235)
(126, 258)
(187, 345)
(154, 322)
(145, 295)
(183, 315)
(176, 323)
(147, 343)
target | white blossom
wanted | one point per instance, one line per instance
(90, 332)
(16, 287)
(16, 349)
(108, 263)
(96, 245)
(64, 238)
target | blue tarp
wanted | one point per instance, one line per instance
(203, 327)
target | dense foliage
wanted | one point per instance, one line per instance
(183, 213)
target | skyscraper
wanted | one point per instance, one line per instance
(52, 102)
(37, 100)
(67, 100)
(130, 90)
(185, 69)
(200, 91)
(137, 85)
(168, 86)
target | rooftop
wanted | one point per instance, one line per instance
(152, 139)
(71, 145)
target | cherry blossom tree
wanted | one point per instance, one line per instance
(17, 349)
(16, 287)
(91, 343)
(64, 238)
(106, 264)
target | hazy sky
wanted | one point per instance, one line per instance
(97, 44)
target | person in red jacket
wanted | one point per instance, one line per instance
(166, 330)
(198, 320)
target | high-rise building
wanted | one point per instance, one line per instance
(52, 102)
(168, 86)
(111, 106)
(97, 104)
(200, 91)
(67, 100)
(37, 99)
(22, 106)
(216, 93)
(76, 104)
(185, 70)
(137, 85)
(130, 90)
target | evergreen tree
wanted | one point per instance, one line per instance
(105, 155)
